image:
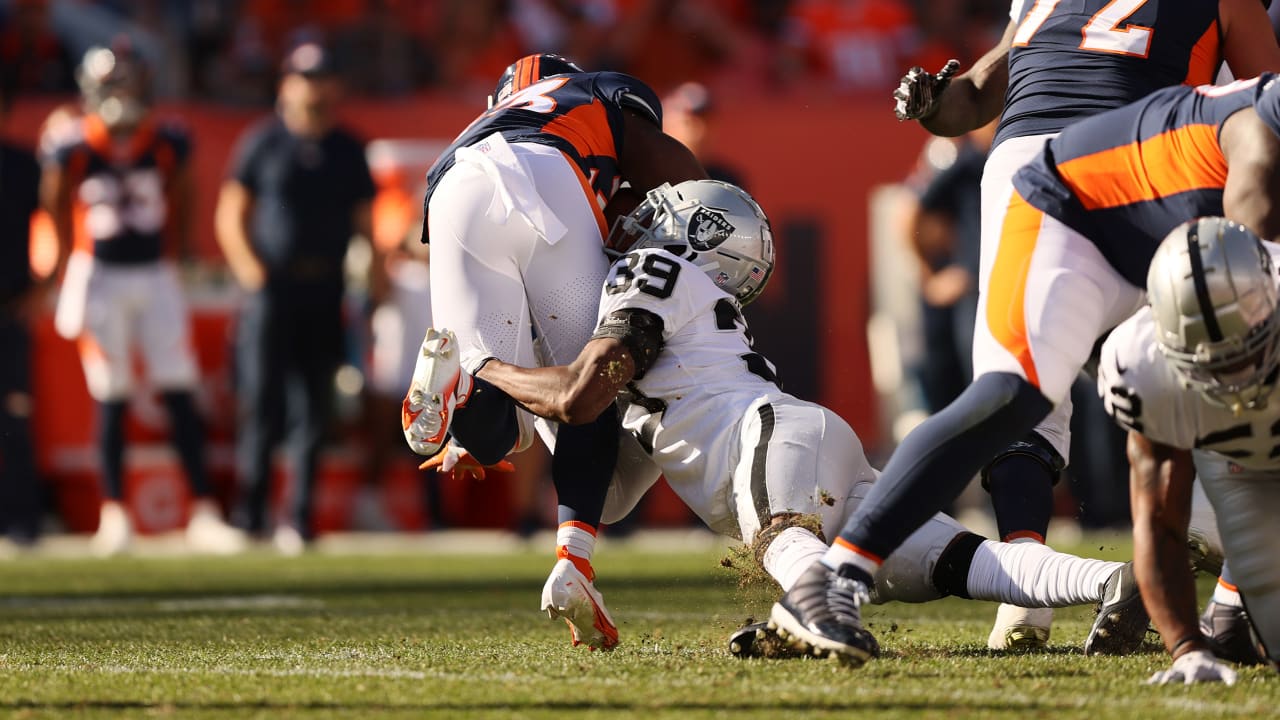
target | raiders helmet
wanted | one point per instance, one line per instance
(713, 224)
(529, 70)
(115, 84)
(1212, 290)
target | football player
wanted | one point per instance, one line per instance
(1082, 225)
(515, 218)
(119, 192)
(753, 462)
(1055, 64)
(1191, 377)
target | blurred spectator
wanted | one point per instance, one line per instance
(944, 235)
(20, 300)
(858, 45)
(119, 190)
(298, 190)
(380, 55)
(689, 115)
(665, 42)
(30, 52)
(476, 40)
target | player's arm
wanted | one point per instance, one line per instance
(975, 97)
(55, 198)
(1248, 41)
(231, 221)
(650, 157)
(1252, 151)
(1160, 479)
(575, 393)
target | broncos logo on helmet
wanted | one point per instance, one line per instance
(529, 70)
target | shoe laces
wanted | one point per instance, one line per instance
(844, 598)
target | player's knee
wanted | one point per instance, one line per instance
(1035, 448)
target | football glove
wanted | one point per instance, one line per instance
(1196, 666)
(569, 593)
(918, 91)
(460, 463)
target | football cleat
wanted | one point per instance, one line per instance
(1230, 633)
(1122, 619)
(207, 532)
(756, 640)
(115, 530)
(1020, 629)
(822, 614)
(438, 388)
(570, 594)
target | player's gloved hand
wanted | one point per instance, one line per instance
(569, 593)
(460, 463)
(1196, 666)
(918, 91)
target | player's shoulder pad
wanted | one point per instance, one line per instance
(176, 134)
(630, 93)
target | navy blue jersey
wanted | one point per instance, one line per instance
(1127, 177)
(120, 193)
(581, 114)
(1071, 59)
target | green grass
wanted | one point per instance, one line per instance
(459, 636)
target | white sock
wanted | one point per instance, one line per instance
(1225, 593)
(791, 553)
(842, 552)
(1033, 575)
(577, 538)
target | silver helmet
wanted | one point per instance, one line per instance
(1212, 290)
(715, 225)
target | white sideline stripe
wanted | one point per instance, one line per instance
(216, 603)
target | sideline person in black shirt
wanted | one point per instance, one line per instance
(298, 190)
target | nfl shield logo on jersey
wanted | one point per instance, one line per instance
(707, 229)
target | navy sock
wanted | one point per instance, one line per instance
(582, 467)
(1021, 490)
(487, 426)
(188, 439)
(939, 458)
(111, 448)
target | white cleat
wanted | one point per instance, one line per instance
(1021, 629)
(115, 530)
(208, 533)
(288, 541)
(571, 595)
(438, 387)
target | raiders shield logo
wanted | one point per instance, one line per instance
(707, 229)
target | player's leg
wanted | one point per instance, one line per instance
(259, 370)
(1245, 502)
(1051, 295)
(104, 346)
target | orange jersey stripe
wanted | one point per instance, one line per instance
(1175, 161)
(1206, 55)
(592, 198)
(1006, 317)
(586, 127)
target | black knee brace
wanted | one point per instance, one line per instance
(1034, 446)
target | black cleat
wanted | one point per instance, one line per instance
(758, 641)
(821, 615)
(1122, 619)
(1230, 633)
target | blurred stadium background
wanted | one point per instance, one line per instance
(796, 107)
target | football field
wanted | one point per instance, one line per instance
(414, 632)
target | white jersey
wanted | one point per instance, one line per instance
(1141, 390)
(687, 408)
